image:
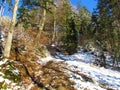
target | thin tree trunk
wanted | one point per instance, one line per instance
(11, 30)
(54, 32)
(42, 23)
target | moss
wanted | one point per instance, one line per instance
(42, 51)
(10, 72)
(3, 85)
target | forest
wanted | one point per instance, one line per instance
(53, 45)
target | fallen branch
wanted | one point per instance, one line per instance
(39, 84)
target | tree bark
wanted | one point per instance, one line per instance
(42, 23)
(8, 44)
(54, 32)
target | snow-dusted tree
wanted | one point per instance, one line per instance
(108, 27)
(83, 21)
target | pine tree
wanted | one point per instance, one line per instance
(107, 23)
(70, 38)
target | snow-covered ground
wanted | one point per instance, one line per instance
(9, 84)
(80, 66)
(82, 62)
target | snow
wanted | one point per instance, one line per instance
(101, 75)
(45, 60)
(1, 79)
(3, 61)
(10, 84)
(82, 62)
(15, 71)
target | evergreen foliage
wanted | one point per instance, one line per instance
(70, 38)
(107, 27)
(30, 12)
(83, 24)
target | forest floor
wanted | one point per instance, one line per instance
(58, 72)
(85, 74)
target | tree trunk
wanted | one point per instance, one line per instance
(54, 32)
(41, 25)
(11, 30)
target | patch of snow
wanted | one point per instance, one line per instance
(1, 79)
(10, 84)
(101, 75)
(16, 71)
(3, 61)
(1, 74)
(82, 62)
(7, 81)
(45, 60)
(53, 45)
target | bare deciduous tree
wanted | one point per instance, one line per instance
(11, 30)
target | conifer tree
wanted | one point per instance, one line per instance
(107, 32)
(70, 38)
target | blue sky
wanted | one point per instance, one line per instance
(90, 4)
